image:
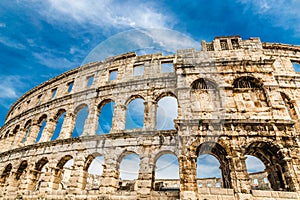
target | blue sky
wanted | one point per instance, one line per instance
(40, 39)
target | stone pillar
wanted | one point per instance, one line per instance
(19, 138)
(9, 182)
(34, 130)
(6, 142)
(56, 178)
(150, 114)
(47, 184)
(77, 176)
(25, 179)
(119, 119)
(33, 178)
(12, 183)
(239, 176)
(188, 181)
(68, 126)
(289, 173)
(91, 121)
(10, 141)
(48, 130)
(109, 178)
(144, 182)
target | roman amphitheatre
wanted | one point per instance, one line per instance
(234, 98)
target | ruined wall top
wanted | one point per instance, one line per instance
(228, 48)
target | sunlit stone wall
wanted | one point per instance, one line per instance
(73, 135)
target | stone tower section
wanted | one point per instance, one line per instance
(234, 98)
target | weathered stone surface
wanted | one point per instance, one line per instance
(235, 98)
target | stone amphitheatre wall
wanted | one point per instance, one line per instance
(235, 98)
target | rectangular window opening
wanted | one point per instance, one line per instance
(39, 99)
(224, 45)
(209, 46)
(70, 86)
(255, 182)
(138, 70)
(167, 67)
(296, 66)
(90, 80)
(113, 75)
(235, 43)
(54, 92)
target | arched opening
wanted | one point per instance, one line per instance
(38, 175)
(289, 106)
(135, 114)
(249, 95)
(14, 133)
(27, 128)
(22, 167)
(213, 160)
(59, 118)
(94, 170)
(42, 124)
(129, 171)
(276, 168)
(7, 139)
(21, 172)
(81, 117)
(257, 173)
(209, 174)
(247, 82)
(205, 97)
(166, 173)
(105, 118)
(63, 173)
(5, 174)
(167, 111)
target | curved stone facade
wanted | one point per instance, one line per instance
(235, 98)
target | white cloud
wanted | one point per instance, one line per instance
(142, 41)
(10, 42)
(129, 167)
(278, 12)
(254, 164)
(171, 41)
(8, 86)
(96, 167)
(167, 167)
(108, 13)
(167, 111)
(2, 25)
(208, 167)
(53, 61)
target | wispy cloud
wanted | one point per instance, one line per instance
(7, 87)
(108, 13)
(254, 164)
(208, 167)
(142, 41)
(53, 61)
(10, 42)
(170, 40)
(10, 88)
(278, 12)
(167, 167)
(2, 25)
